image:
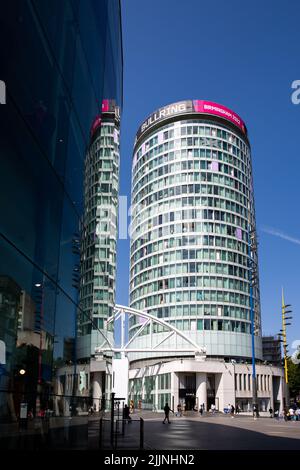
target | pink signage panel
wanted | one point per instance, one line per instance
(105, 106)
(202, 106)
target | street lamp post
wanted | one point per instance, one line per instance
(252, 247)
(284, 311)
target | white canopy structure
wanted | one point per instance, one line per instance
(120, 312)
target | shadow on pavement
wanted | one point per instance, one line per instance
(187, 434)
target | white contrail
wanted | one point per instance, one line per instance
(278, 233)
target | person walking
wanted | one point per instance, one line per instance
(126, 413)
(131, 406)
(201, 410)
(255, 412)
(271, 412)
(179, 410)
(232, 411)
(282, 415)
(167, 410)
(291, 414)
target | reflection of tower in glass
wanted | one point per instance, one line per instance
(10, 293)
(99, 230)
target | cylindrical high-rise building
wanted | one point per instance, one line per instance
(192, 209)
(194, 263)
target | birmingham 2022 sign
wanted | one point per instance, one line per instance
(193, 107)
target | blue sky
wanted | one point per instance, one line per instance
(244, 55)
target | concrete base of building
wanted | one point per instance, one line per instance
(211, 385)
(193, 384)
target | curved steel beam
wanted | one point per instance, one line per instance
(141, 313)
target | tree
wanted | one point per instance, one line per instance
(294, 378)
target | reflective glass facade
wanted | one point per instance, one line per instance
(99, 231)
(192, 207)
(59, 60)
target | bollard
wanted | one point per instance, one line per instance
(141, 433)
(100, 433)
(123, 421)
(112, 417)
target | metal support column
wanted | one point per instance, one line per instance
(252, 278)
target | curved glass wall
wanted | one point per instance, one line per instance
(63, 59)
(192, 205)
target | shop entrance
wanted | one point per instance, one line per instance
(187, 391)
(190, 400)
(187, 398)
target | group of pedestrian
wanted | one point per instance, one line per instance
(293, 414)
(180, 411)
(288, 414)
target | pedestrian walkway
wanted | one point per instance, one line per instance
(222, 433)
(190, 431)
